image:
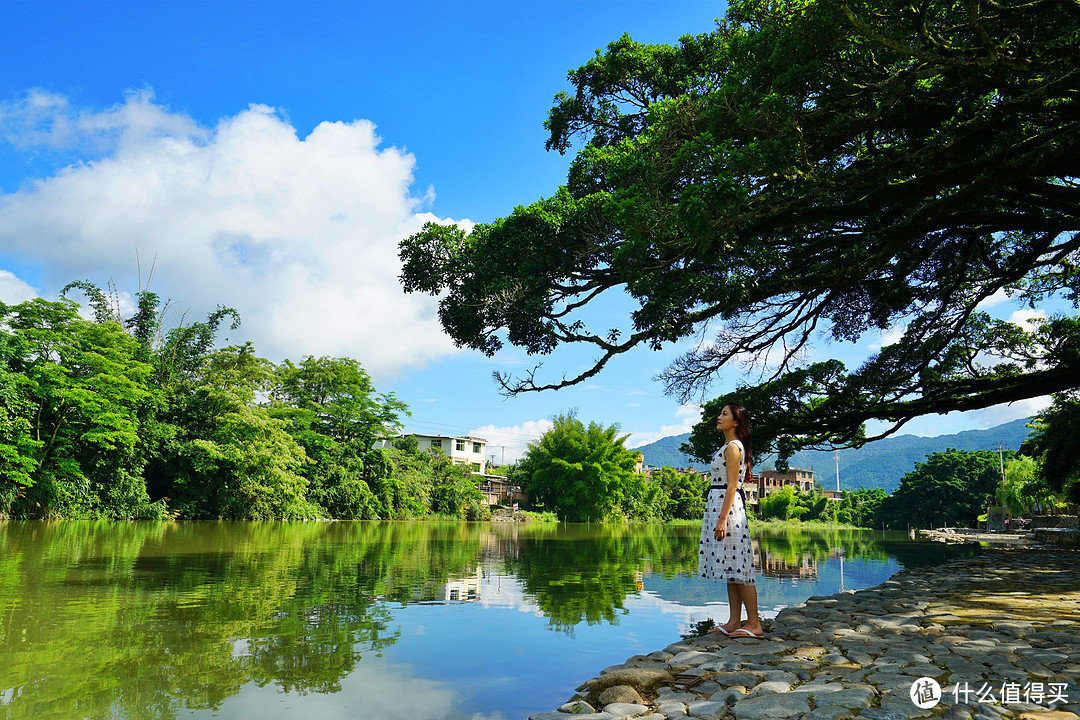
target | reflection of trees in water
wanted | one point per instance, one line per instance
(142, 619)
(584, 573)
(138, 620)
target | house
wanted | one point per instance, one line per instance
(463, 450)
(801, 481)
(498, 490)
(469, 450)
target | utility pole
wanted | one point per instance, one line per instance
(836, 457)
(1000, 447)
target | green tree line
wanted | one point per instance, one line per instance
(120, 417)
(583, 472)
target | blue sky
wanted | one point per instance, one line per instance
(270, 155)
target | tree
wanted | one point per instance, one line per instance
(951, 488)
(579, 472)
(860, 507)
(1019, 488)
(1056, 443)
(836, 167)
(335, 398)
(685, 492)
(782, 505)
(229, 457)
(332, 410)
(71, 394)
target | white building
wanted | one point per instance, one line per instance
(465, 450)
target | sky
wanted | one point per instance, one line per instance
(269, 156)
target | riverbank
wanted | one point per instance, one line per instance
(967, 535)
(999, 633)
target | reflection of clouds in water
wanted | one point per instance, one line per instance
(687, 615)
(499, 590)
(376, 689)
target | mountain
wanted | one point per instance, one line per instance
(879, 464)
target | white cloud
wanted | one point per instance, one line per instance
(299, 235)
(689, 410)
(888, 337)
(691, 416)
(508, 444)
(1000, 414)
(1025, 317)
(954, 422)
(13, 290)
(994, 300)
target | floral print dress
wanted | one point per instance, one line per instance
(730, 559)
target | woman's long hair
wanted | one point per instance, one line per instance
(742, 434)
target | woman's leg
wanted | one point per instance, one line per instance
(735, 607)
(748, 597)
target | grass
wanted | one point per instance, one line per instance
(796, 524)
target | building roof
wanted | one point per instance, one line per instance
(446, 437)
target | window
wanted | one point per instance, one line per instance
(476, 448)
(476, 467)
(459, 445)
(436, 444)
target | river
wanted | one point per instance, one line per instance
(387, 620)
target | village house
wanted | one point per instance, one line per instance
(766, 483)
(801, 480)
(471, 451)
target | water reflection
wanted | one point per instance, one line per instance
(163, 621)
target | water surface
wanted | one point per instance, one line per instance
(409, 620)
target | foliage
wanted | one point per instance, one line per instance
(860, 508)
(1056, 443)
(579, 472)
(72, 392)
(332, 410)
(685, 493)
(807, 168)
(782, 504)
(951, 488)
(1019, 489)
(454, 490)
(124, 417)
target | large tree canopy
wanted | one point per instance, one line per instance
(811, 168)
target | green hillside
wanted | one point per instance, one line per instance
(879, 464)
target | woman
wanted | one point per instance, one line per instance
(725, 552)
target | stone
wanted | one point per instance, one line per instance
(883, 714)
(770, 687)
(691, 658)
(771, 706)
(745, 677)
(679, 697)
(729, 696)
(644, 680)
(625, 710)
(958, 712)
(829, 713)
(619, 694)
(1048, 715)
(707, 710)
(671, 709)
(852, 698)
(577, 707)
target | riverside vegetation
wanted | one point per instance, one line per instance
(119, 418)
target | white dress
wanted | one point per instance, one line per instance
(730, 559)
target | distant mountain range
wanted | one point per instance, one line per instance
(878, 464)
